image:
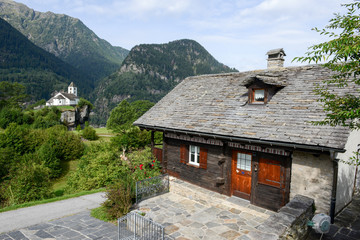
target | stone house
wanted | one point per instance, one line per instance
(65, 99)
(249, 134)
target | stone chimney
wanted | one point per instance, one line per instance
(275, 58)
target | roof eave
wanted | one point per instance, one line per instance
(243, 139)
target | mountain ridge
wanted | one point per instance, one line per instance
(150, 71)
(66, 37)
(38, 70)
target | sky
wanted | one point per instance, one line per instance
(238, 33)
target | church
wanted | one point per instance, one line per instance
(65, 99)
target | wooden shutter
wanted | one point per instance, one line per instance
(203, 158)
(183, 153)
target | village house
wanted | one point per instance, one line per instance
(249, 134)
(65, 99)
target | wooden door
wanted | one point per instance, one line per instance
(270, 188)
(241, 174)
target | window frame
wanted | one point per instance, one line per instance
(196, 154)
(238, 161)
(185, 156)
(252, 98)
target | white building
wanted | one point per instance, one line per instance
(65, 99)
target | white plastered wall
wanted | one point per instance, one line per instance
(346, 173)
(311, 176)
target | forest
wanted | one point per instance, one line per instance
(37, 151)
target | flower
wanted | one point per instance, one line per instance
(153, 160)
(141, 166)
(152, 165)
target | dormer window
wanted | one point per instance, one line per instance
(258, 96)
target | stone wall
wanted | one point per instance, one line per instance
(72, 118)
(311, 176)
(289, 223)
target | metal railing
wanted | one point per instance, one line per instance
(151, 187)
(136, 227)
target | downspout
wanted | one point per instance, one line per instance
(334, 186)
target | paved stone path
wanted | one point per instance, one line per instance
(25, 217)
(76, 227)
(187, 212)
(346, 225)
(191, 212)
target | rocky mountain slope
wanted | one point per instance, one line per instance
(66, 37)
(38, 70)
(150, 71)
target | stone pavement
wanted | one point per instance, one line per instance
(25, 217)
(76, 227)
(346, 225)
(191, 212)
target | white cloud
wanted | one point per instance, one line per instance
(237, 32)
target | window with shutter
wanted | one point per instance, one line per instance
(203, 158)
(183, 153)
(193, 155)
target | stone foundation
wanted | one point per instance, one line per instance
(289, 223)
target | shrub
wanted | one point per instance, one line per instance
(143, 164)
(89, 133)
(66, 145)
(7, 156)
(10, 115)
(82, 102)
(15, 137)
(98, 167)
(133, 138)
(119, 197)
(46, 117)
(101, 166)
(29, 182)
(48, 156)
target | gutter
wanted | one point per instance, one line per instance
(334, 186)
(242, 139)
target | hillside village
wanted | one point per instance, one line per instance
(173, 144)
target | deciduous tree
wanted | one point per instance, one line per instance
(341, 54)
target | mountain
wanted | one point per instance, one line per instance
(150, 71)
(38, 70)
(66, 37)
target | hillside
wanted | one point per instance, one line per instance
(150, 71)
(66, 37)
(41, 72)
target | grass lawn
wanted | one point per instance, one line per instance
(100, 213)
(104, 135)
(104, 131)
(29, 204)
(63, 108)
(60, 183)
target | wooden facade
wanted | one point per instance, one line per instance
(265, 183)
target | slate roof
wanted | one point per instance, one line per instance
(276, 51)
(217, 104)
(70, 96)
(58, 97)
(63, 95)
